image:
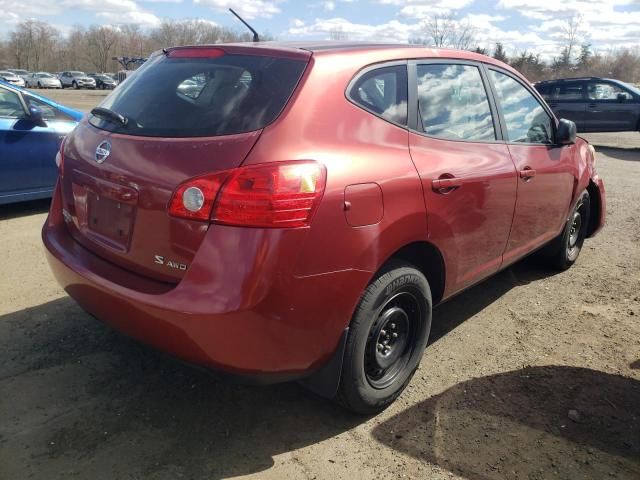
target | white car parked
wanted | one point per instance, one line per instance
(11, 78)
(43, 80)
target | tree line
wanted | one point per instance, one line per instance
(38, 46)
(575, 57)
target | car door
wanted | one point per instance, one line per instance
(610, 108)
(17, 173)
(545, 170)
(48, 140)
(27, 163)
(567, 99)
(468, 177)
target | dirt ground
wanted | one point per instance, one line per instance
(529, 375)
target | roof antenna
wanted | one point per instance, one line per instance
(256, 38)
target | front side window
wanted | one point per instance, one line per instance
(605, 91)
(10, 105)
(453, 103)
(383, 91)
(48, 111)
(526, 120)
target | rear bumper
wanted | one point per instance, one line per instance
(240, 310)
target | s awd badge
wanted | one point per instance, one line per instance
(160, 260)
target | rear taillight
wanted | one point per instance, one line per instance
(283, 194)
(60, 157)
(194, 198)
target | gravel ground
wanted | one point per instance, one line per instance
(529, 375)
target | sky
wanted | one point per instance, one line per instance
(533, 25)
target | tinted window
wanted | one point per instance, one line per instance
(526, 120)
(10, 105)
(197, 97)
(384, 92)
(605, 91)
(453, 104)
(565, 92)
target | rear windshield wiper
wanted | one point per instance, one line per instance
(110, 115)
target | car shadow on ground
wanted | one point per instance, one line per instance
(23, 209)
(452, 313)
(534, 423)
(83, 400)
(631, 154)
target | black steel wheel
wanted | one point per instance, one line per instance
(563, 251)
(386, 340)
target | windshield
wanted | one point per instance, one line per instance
(7, 74)
(633, 88)
(45, 75)
(20, 72)
(200, 97)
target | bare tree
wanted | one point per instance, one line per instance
(445, 31)
(338, 33)
(571, 31)
(100, 43)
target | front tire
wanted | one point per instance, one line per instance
(564, 250)
(74, 85)
(387, 337)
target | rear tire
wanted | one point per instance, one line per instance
(563, 251)
(387, 338)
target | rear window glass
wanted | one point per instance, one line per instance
(199, 97)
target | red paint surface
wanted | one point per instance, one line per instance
(268, 300)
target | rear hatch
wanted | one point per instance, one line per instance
(187, 112)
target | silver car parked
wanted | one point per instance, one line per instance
(76, 79)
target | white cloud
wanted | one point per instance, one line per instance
(329, 6)
(246, 8)
(393, 31)
(115, 11)
(296, 22)
(420, 9)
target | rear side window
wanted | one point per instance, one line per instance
(565, 92)
(526, 120)
(199, 97)
(453, 103)
(383, 91)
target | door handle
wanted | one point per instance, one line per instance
(527, 173)
(445, 184)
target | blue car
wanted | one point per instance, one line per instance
(31, 129)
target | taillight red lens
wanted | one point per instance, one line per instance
(194, 198)
(282, 194)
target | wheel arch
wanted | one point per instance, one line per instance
(595, 208)
(428, 259)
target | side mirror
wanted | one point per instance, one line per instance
(566, 132)
(622, 97)
(36, 116)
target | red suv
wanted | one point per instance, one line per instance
(286, 212)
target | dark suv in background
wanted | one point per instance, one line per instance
(594, 104)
